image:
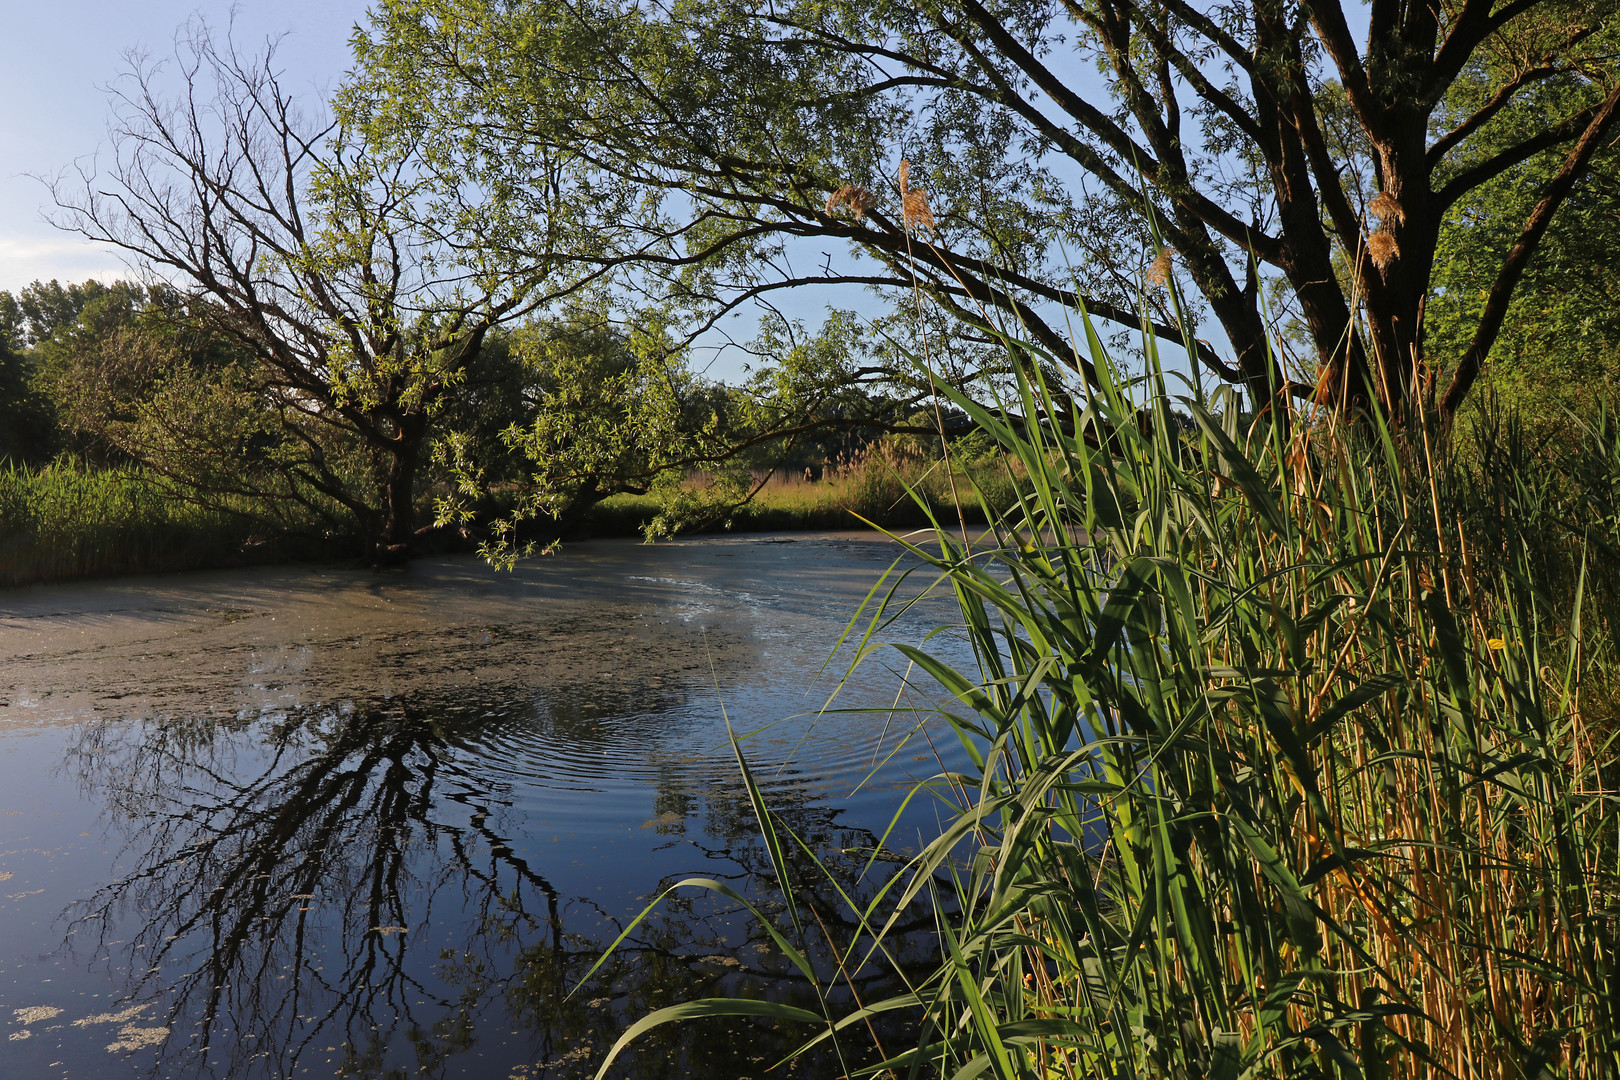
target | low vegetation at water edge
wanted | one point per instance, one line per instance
(1292, 755)
(65, 521)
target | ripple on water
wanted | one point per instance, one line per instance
(407, 795)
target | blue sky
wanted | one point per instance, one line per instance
(56, 58)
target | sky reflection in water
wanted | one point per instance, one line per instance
(325, 822)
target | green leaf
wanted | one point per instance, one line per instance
(706, 1007)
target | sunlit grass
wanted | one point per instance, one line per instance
(877, 487)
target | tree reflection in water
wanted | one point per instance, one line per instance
(339, 884)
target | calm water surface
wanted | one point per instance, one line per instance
(332, 822)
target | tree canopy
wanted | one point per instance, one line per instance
(302, 247)
(502, 239)
(1023, 154)
(1560, 339)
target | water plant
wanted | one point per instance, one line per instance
(1276, 768)
(68, 520)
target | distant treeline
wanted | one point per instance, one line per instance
(137, 432)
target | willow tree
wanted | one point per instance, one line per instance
(1559, 344)
(356, 313)
(1287, 152)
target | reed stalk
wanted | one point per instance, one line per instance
(65, 521)
(1277, 769)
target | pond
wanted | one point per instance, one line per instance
(319, 821)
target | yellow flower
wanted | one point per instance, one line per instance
(1496, 643)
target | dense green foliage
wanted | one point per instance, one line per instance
(461, 305)
(1560, 342)
(31, 424)
(547, 417)
(70, 521)
(964, 149)
(26, 428)
(892, 482)
(1282, 763)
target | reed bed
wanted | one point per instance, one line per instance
(890, 483)
(1280, 768)
(66, 521)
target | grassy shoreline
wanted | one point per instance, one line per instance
(839, 501)
(65, 522)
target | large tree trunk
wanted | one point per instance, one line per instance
(402, 457)
(1381, 365)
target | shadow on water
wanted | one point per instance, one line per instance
(355, 890)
